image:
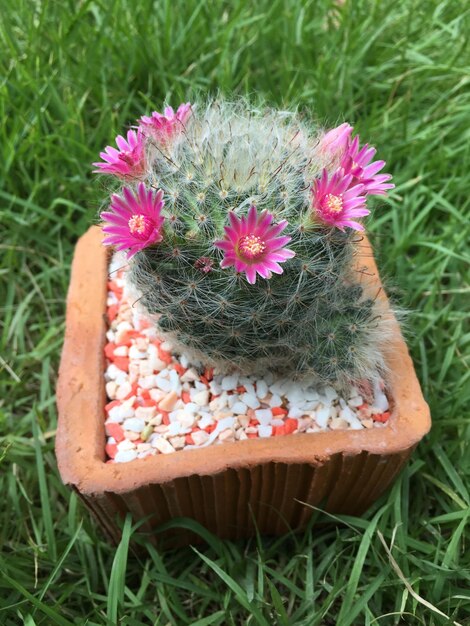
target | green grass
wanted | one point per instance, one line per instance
(73, 74)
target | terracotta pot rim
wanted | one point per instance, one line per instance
(80, 391)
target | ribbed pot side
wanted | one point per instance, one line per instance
(233, 488)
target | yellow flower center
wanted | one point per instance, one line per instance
(137, 224)
(334, 203)
(251, 246)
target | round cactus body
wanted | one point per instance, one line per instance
(243, 249)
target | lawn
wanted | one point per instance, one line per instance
(73, 75)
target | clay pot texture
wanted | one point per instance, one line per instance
(233, 488)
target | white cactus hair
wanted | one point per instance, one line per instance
(315, 320)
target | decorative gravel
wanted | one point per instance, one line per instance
(160, 403)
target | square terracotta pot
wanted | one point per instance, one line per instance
(231, 487)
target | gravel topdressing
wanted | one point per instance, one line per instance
(160, 403)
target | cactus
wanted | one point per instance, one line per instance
(239, 227)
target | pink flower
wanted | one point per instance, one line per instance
(253, 246)
(335, 202)
(357, 161)
(163, 127)
(335, 141)
(127, 162)
(135, 220)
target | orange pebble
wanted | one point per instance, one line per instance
(241, 389)
(165, 417)
(112, 311)
(252, 435)
(122, 362)
(189, 440)
(164, 356)
(115, 430)
(185, 397)
(179, 368)
(132, 392)
(204, 380)
(209, 428)
(109, 350)
(381, 417)
(111, 449)
(278, 410)
(110, 405)
(279, 430)
(112, 286)
(290, 424)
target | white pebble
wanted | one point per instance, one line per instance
(275, 400)
(146, 412)
(330, 394)
(205, 421)
(163, 446)
(124, 456)
(294, 411)
(147, 382)
(174, 428)
(355, 402)
(250, 400)
(322, 416)
(190, 376)
(125, 444)
(200, 437)
(123, 390)
(162, 383)
(229, 382)
(265, 430)
(135, 424)
(239, 408)
(135, 353)
(121, 351)
(261, 389)
(201, 398)
(264, 415)
(114, 415)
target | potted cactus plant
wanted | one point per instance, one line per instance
(243, 303)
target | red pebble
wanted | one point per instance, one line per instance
(109, 350)
(149, 402)
(185, 397)
(188, 440)
(111, 449)
(241, 389)
(279, 430)
(115, 430)
(252, 435)
(210, 428)
(110, 405)
(278, 410)
(145, 394)
(253, 422)
(132, 392)
(127, 337)
(164, 356)
(179, 368)
(112, 286)
(122, 362)
(290, 424)
(112, 311)
(381, 417)
(165, 417)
